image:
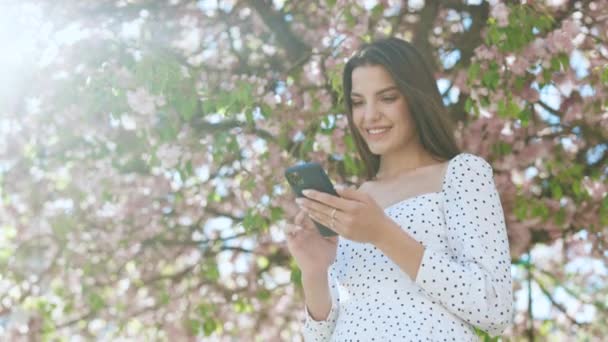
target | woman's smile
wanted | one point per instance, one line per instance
(377, 133)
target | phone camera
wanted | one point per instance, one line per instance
(295, 179)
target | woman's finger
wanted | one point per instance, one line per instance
(299, 217)
(326, 220)
(304, 220)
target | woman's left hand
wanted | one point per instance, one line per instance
(357, 216)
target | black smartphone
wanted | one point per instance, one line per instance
(311, 176)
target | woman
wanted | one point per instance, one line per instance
(422, 252)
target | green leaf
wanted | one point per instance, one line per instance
(211, 271)
(519, 83)
(296, 275)
(604, 76)
(547, 75)
(604, 211)
(491, 77)
(493, 35)
(468, 105)
(204, 310)
(209, 326)
(262, 262)
(254, 222)
(559, 217)
(263, 294)
(577, 189)
(540, 210)
(377, 10)
(167, 127)
(96, 302)
(349, 142)
(512, 109)
(186, 106)
(556, 190)
(276, 213)
(473, 72)
(502, 148)
(521, 208)
(242, 305)
(349, 164)
(350, 19)
(193, 326)
(564, 60)
(164, 297)
(555, 64)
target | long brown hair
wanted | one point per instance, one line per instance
(413, 76)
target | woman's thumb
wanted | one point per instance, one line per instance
(342, 190)
(350, 193)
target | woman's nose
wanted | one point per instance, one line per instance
(372, 111)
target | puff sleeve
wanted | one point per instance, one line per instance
(472, 277)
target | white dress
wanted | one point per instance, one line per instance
(464, 279)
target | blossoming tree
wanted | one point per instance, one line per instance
(142, 145)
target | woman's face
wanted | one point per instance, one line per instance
(380, 112)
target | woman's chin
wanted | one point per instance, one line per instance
(377, 149)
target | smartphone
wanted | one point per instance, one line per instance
(311, 176)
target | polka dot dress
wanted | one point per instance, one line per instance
(464, 278)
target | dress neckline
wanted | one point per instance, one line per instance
(443, 184)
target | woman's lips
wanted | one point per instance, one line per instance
(377, 133)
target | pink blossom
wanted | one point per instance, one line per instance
(142, 102)
(270, 100)
(570, 28)
(596, 189)
(501, 13)
(520, 66)
(558, 41)
(485, 52)
(338, 139)
(460, 81)
(573, 112)
(169, 155)
(537, 49)
(530, 94)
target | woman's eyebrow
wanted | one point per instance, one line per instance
(377, 93)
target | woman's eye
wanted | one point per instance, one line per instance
(356, 104)
(389, 99)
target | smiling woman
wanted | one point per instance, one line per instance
(406, 94)
(422, 251)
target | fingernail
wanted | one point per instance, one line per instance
(306, 192)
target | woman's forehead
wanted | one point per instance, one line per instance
(371, 79)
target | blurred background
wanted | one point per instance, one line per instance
(143, 142)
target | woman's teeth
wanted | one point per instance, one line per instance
(378, 130)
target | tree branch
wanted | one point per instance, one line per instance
(421, 31)
(559, 306)
(294, 46)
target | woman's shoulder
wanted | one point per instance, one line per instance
(470, 162)
(470, 170)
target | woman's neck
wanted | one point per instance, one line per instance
(397, 163)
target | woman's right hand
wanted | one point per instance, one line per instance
(312, 251)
